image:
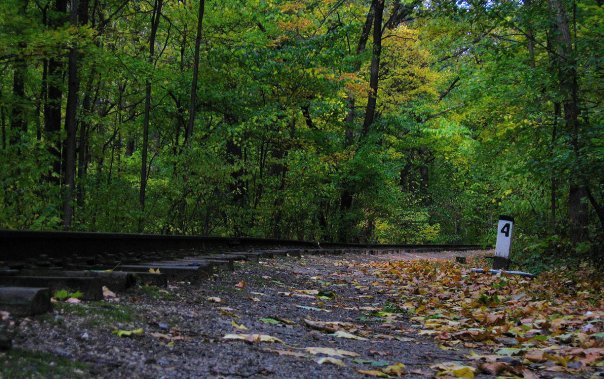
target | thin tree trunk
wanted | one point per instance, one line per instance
(346, 195)
(52, 107)
(155, 18)
(375, 66)
(568, 83)
(192, 104)
(83, 139)
(554, 177)
(69, 149)
(361, 46)
(18, 117)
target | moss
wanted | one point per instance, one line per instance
(98, 313)
(18, 363)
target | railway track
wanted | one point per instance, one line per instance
(34, 265)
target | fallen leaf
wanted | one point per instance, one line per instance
(343, 334)
(494, 368)
(454, 369)
(252, 338)
(535, 356)
(214, 299)
(270, 320)
(528, 374)
(73, 300)
(241, 284)
(238, 326)
(330, 360)
(397, 369)
(308, 292)
(154, 271)
(108, 294)
(328, 326)
(331, 352)
(129, 333)
(286, 352)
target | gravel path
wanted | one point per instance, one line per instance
(185, 324)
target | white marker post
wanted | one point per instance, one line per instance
(504, 243)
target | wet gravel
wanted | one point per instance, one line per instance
(184, 325)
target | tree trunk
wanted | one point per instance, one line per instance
(18, 115)
(346, 195)
(69, 149)
(568, 84)
(375, 66)
(361, 46)
(83, 138)
(155, 17)
(53, 104)
(554, 177)
(192, 105)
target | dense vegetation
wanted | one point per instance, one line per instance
(351, 120)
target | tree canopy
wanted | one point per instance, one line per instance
(397, 121)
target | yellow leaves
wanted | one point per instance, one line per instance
(297, 25)
(253, 338)
(529, 320)
(154, 271)
(292, 7)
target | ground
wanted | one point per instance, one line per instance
(265, 319)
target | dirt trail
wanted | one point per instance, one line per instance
(289, 299)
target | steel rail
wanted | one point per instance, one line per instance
(59, 245)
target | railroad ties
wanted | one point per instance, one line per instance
(26, 287)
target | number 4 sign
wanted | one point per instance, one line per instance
(505, 228)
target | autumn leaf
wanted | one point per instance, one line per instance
(343, 334)
(397, 369)
(238, 326)
(154, 271)
(241, 284)
(108, 294)
(328, 326)
(287, 353)
(453, 369)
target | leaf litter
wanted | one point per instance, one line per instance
(551, 323)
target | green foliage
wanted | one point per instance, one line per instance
(64, 295)
(471, 122)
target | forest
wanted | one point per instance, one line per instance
(398, 121)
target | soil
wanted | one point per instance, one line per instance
(184, 325)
